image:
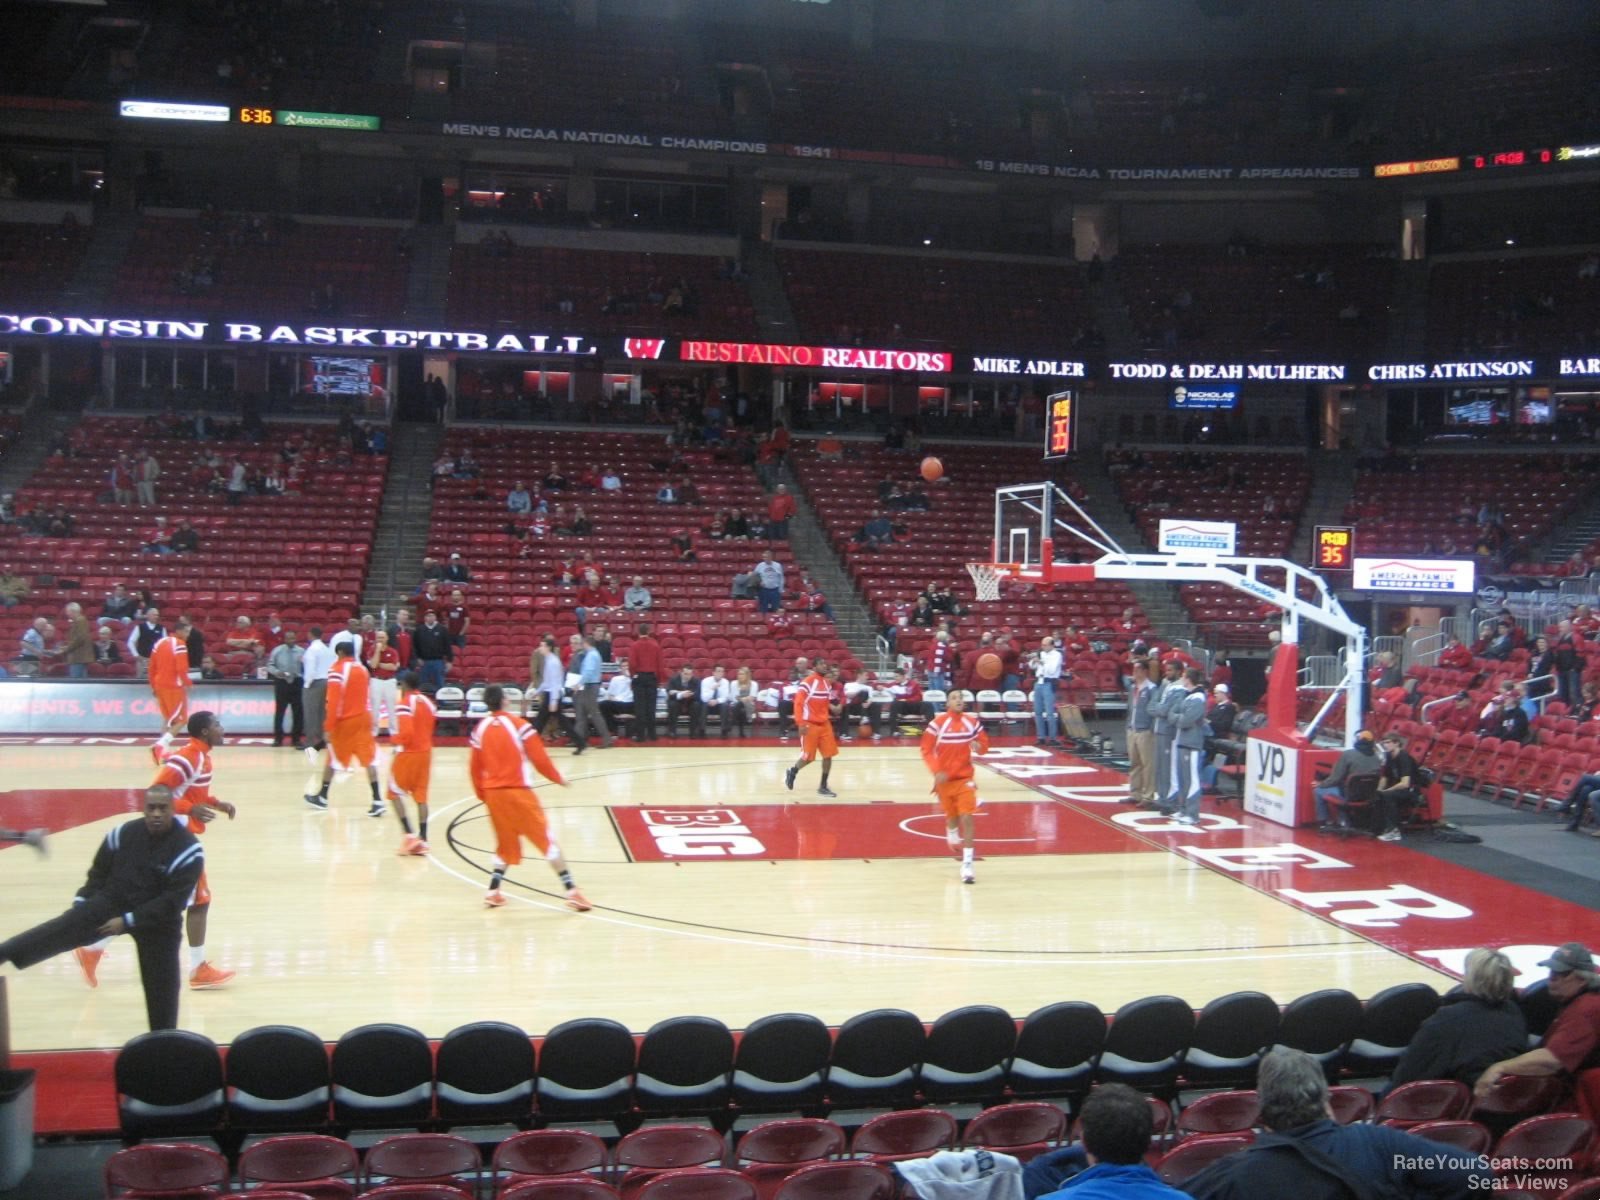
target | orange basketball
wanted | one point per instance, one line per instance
(988, 667)
(932, 468)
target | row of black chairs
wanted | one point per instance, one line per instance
(390, 1076)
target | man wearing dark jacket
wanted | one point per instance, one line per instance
(1475, 1026)
(139, 884)
(1308, 1155)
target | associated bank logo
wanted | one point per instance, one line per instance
(1413, 575)
(700, 833)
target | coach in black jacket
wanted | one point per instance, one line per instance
(139, 884)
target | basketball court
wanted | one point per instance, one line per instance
(718, 892)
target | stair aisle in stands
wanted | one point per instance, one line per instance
(402, 534)
(1332, 486)
(809, 543)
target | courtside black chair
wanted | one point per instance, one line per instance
(875, 1059)
(586, 1072)
(1230, 1036)
(1056, 1052)
(484, 1075)
(277, 1080)
(169, 1084)
(1323, 1024)
(1389, 1021)
(684, 1068)
(382, 1078)
(965, 1057)
(1145, 1045)
(781, 1064)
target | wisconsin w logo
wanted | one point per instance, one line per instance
(643, 347)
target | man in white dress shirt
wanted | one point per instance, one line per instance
(1046, 675)
(716, 690)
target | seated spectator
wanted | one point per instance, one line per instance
(1572, 1042)
(443, 467)
(616, 698)
(830, 448)
(59, 522)
(1385, 672)
(13, 588)
(158, 540)
(1455, 656)
(714, 525)
(457, 571)
(637, 598)
(209, 669)
(272, 484)
(242, 638)
(588, 479)
(467, 466)
(35, 639)
(106, 648)
(737, 525)
(923, 614)
(1109, 1159)
(591, 598)
(610, 481)
(432, 569)
(743, 696)
(1358, 761)
(1501, 644)
(1477, 1024)
(682, 541)
(687, 492)
(683, 700)
(518, 500)
(812, 599)
(1585, 710)
(877, 532)
(1509, 721)
(555, 481)
(1308, 1155)
(578, 525)
(667, 494)
(187, 538)
(1540, 679)
(716, 693)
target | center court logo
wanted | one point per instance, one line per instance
(700, 833)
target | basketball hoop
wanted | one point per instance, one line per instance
(986, 578)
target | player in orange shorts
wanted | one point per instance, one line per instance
(947, 749)
(347, 722)
(415, 716)
(505, 753)
(813, 713)
(169, 682)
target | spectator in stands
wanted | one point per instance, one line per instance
(148, 473)
(683, 700)
(637, 598)
(209, 669)
(158, 540)
(1108, 1162)
(1509, 721)
(518, 500)
(443, 467)
(432, 569)
(13, 588)
(1501, 644)
(106, 650)
(740, 709)
(457, 618)
(877, 532)
(457, 571)
(1455, 656)
(1572, 1043)
(780, 508)
(579, 525)
(687, 492)
(237, 482)
(146, 632)
(667, 493)
(186, 539)
(1358, 761)
(243, 639)
(466, 466)
(554, 480)
(1307, 1154)
(1540, 664)
(1477, 1024)
(1567, 662)
(1385, 672)
(122, 480)
(78, 650)
(769, 582)
(34, 642)
(1588, 702)
(610, 481)
(737, 525)
(682, 543)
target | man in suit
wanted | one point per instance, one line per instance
(683, 700)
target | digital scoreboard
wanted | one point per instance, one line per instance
(1060, 425)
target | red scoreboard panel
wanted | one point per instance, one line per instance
(1060, 425)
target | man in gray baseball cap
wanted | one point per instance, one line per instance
(1572, 1043)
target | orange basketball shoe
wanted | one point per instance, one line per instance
(206, 976)
(577, 901)
(412, 844)
(494, 899)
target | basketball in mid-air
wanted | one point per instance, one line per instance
(932, 468)
(988, 667)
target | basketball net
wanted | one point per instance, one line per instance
(986, 579)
